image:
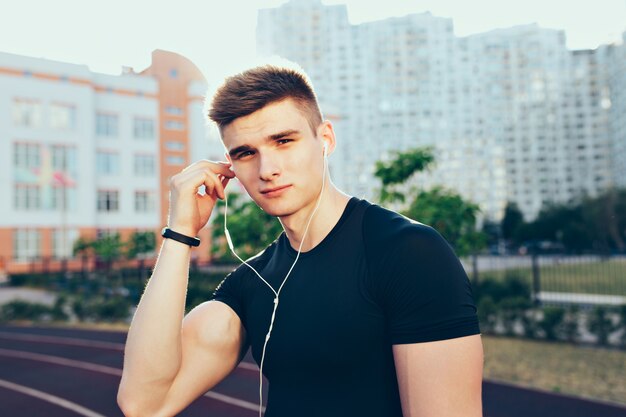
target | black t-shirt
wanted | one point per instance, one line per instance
(377, 279)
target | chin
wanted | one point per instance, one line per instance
(276, 209)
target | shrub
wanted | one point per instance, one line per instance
(24, 310)
(552, 318)
(601, 325)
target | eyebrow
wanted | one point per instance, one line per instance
(269, 138)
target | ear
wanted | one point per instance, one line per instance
(326, 133)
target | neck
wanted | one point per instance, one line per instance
(331, 208)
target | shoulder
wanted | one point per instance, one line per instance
(384, 228)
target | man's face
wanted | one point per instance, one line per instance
(274, 148)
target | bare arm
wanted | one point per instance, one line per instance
(442, 378)
(160, 345)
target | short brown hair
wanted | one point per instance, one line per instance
(244, 93)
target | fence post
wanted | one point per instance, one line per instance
(536, 279)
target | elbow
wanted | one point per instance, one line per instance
(132, 408)
(129, 409)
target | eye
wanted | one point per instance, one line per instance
(243, 154)
(281, 141)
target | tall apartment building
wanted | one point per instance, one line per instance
(612, 98)
(86, 154)
(501, 108)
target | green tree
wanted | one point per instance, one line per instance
(597, 223)
(605, 219)
(251, 229)
(82, 246)
(451, 216)
(109, 248)
(399, 170)
(511, 221)
(140, 242)
(445, 210)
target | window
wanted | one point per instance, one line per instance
(108, 200)
(173, 110)
(145, 202)
(144, 165)
(26, 113)
(27, 197)
(175, 160)
(56, 198)
(172, 145)
(143, 128)
(174, 125)
(106, 124)
(26, 155)
(26, 244)
(62, 116)
(63, 242)
(108, 163)
(102, 233)
(63, 158)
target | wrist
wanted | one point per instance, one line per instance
(183, 230)
(190, 239)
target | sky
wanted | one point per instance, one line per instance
(219, 36)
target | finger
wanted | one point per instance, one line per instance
(220, 167)
(215, 186)
(225, 182)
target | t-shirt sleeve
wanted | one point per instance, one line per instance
(230, 292)
(419, 283)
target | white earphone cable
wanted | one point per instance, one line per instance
(276, 293)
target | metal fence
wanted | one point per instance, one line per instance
(558, 279)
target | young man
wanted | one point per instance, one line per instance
(376, 317)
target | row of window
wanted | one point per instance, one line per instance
(29, 113)
(109, 201)
(107, 125)
(27, 243)
(62, 157)
(108, 163)
(30, 198)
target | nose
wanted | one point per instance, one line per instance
(269, 167)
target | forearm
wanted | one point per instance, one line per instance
(153, 351)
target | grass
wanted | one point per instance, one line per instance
(604, 277)
(590, 372)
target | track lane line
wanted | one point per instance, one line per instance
(87, 343)
(112, 371)
(53, 399)
(61, 340)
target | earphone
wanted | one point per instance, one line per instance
(276, 293)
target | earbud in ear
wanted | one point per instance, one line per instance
(325, 148)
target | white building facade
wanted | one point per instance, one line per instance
(501, 109)
(85, 154)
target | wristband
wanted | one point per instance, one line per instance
(188, 240)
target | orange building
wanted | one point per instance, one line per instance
(88, 154)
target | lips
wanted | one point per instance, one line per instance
(269, 190)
